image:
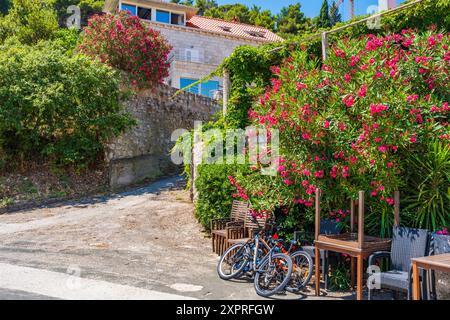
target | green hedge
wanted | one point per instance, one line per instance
(56, 105)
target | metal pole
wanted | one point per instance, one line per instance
(324, 46)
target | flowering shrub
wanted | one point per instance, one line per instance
(350, 125)
(126, 43)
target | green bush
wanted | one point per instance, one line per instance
(428, 178)
(56, 105)
(29, 21)
(214, 192)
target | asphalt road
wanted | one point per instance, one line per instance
(141, 244)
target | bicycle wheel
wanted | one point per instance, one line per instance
(273, 275)
(233, 261)
(302, 269)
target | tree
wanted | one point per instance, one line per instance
(126, 43)
(205, 5)
(87, 7)
(263, 18)
(292, 20)
(29, 21)
(335, 15)
(242, 13)
(324, 20)
(4, 6)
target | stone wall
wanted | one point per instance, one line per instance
(144, 151)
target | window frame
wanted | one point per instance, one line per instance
(129, 5)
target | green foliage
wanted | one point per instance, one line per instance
(335, 16)
(66, 40)
(292, 21)
(4, 6)
(250, 74)
(205, 5)
(29, 21)
(87, 7)
(339, 279)
(214, 190)
(244, 14)
(428, 177)
(324, 20)
(56, 105)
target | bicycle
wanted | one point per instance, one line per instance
(302, 266)
(271, 269)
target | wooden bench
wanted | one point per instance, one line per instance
(251, 226)
(229, 228)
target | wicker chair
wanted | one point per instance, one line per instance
(223, 229)
(440, 244)
(407, 243)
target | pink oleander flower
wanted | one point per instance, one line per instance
(348, 100)
(347, 77)
(319, 174)
(362, 92)
(301, 86)
(443, 232)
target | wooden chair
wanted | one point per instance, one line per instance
(251, 226)
(226, 228)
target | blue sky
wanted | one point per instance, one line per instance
(310, 7)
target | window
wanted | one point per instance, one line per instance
(145, 13)
(129, 7)
(225, 28)
(192, 55)
(162, 16)
(184, 82)
(259, 34)
(209, 88)
(176, 18)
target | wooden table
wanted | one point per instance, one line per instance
(439, 262)
(357, 245)
(348, 244)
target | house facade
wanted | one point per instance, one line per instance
(200, 44)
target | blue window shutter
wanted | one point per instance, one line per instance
(129, 7)
(184, 82)
(162, 16)
(209, 87)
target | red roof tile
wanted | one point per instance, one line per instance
(233, 28)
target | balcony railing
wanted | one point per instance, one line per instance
(189, 56)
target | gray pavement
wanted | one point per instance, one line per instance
(140, 244)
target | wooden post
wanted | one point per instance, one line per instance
(397, 208)
(316, 237)
(317, 271)
(415, 280)
(226, 91)
(352, 216)
(361, 220)
(317, 229)
(359, 277)
(324, 46)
